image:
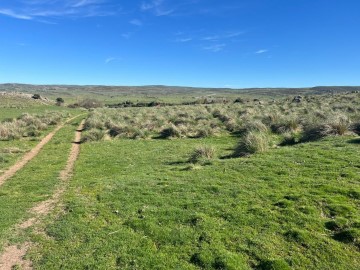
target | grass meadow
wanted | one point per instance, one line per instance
(142, 205)
(250, 185)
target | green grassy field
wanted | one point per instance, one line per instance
(141, 205)
(193, 187)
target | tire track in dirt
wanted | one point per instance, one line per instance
(30, 155)
(14, 255)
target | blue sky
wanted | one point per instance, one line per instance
(210, 43)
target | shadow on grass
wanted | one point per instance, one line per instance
(354, 141)
(177, 162)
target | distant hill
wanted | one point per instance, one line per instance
(161, 91)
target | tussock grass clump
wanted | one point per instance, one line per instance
(252, 142)
(115, 130)
(290, 138)
(202, 154)
(28, 125)
(254, 126)
(340, 123)
(204, 132)
(170, 132)
(316, 132)
(334, 125)
(315, 117)
(3, 158)
(93, 135)
(11, 131)
(286, 125)
(355, 127)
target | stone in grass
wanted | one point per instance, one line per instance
(274, 265)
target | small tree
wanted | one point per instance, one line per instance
(36, 96)
(59, 101)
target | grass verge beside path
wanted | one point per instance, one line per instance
(139, 204)
(35, 182)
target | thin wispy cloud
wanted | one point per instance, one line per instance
(157, 7)
(14, 14)
(225, 35)
(83, 3)
(136, 22)
(109, 60)
(51, 9)
(215, 48)
(233, 34)
(182, 40)
(261, 51)
(126, 35)
(210, 38)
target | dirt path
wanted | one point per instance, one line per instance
(30, 155)
(14, 255)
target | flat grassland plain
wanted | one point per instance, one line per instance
(259, 183)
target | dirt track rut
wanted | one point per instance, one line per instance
(30, 155)
(14, 255)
